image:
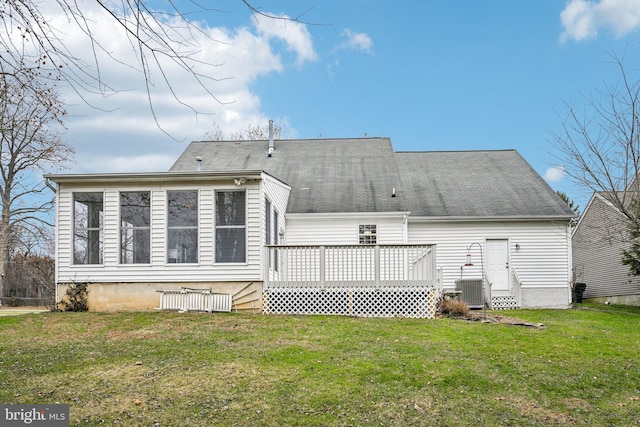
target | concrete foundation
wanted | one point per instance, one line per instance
(145, 296)
(633, 300)
(546, 297)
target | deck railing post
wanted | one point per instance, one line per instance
(266, 270)
(323, 265)
(405, 263)
(378, 265)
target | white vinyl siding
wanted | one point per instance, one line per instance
(158, 270)
(598, 242)
(277, 194)
(542, 259)
(340, 230)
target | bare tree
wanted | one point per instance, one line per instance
(253, 132)
(157, 37)
(30, 119)
(599, 145)
(215, 133)
(30, 278)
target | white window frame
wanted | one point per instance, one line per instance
(226, 227)
(179, 259)
(87, 229)
(121, 228)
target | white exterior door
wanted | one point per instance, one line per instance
(498, 264)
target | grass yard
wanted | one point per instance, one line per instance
(170, 369)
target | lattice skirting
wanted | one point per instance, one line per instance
(504, 303)
(363, 302)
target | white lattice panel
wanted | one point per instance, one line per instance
(504, 303)
(418, 302)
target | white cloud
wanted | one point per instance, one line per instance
(555, 174)
(294, 34)
(121, 135)
(582, 19)
(356, 41)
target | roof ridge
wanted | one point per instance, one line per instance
(361, 138)
(457, 151)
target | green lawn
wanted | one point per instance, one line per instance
(170, 369)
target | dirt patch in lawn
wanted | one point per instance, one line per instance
(481, 316)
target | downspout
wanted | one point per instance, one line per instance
(569, 264)
(51, 187)
(405, 229)
(47, 182)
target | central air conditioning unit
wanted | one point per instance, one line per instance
(471, 292)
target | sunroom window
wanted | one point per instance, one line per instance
(231, 234)
(135, 227)
(182, 232)
(88, 217)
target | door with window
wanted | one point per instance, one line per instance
(498, 263)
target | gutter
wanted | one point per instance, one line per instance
(47, 182)
(152, 176)
(489, 218)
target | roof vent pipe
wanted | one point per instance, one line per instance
(199, 163)
(272, 146)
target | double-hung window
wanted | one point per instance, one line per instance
(276, 239)
(135, 227)
(231, 233)
(367, 234)
(267, 211)
(88, 217)
(182, 226)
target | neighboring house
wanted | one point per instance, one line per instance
(598, 241)
(312, 226)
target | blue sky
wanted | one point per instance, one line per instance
(431, 75)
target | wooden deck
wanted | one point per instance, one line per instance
(354, 280)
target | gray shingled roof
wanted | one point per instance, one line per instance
(359, 175)
(325, 175)
(476, 184)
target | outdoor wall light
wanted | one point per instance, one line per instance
(517, 246)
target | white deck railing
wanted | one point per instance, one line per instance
(352, 280)
(517, 286)
(351, 266)
(486, 286)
